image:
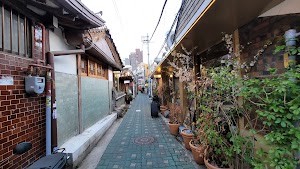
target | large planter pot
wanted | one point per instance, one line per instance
(196, 151)
(174, 129)
(209, 166)
(163, 109)
(187, 137)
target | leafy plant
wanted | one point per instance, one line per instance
(291, 50)
(219, 108)
(277, 103)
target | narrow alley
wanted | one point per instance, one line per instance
(80, 81)
(144, 142)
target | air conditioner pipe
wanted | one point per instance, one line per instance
(290, 37)
(290, 40)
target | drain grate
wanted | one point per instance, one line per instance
(143, 140)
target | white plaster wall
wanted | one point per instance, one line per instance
(110, 86)
(102, 44)
(110, 74)
(63, 64)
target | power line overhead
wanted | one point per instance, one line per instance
(162, 11)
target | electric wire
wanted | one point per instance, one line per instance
(174, 22)
(178, 17)
(118, 13)
(161, 13)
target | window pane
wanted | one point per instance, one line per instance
(15, 34)
(38, 41)
(28, 39)
(7, 30)
(99, 69)
(22, 34)
(92, 68)
(0, 27)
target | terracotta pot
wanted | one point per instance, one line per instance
(163, 109)
(196, 151)
(187, 137)
(174, 129)
(209, 166)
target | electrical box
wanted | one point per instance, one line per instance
(34, 84)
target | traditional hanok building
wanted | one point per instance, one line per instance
(53, 42)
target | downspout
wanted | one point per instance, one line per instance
(48, 96)
(51, 122)
(290, 39)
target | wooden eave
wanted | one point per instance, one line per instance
(71, 14)
(217, 18)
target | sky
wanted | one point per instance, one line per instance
(129, 20)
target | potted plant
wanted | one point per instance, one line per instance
(174, 119)
(128, 98)
(220, 111)
(196, 144)
(223, 138)
(182, 65)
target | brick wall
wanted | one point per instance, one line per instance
(254, 36)
(22, 118)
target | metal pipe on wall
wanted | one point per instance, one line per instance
(48, 113)
(48, 96)
(53, 120)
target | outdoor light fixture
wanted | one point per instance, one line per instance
(159, 69)
(158, 76)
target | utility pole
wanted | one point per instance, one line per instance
(145, 39)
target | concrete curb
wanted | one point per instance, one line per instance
(78, 147)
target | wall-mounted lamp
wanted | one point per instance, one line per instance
(158, 69)
(171, 75)
(157, 76)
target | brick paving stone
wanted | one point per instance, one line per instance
(164, 152)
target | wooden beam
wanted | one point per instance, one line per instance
(20, 8)
(68, 52)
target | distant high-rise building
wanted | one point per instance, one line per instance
(126, 61)
(133, 61)
(139, 55)
(136, 58)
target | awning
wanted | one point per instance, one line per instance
(218, 17)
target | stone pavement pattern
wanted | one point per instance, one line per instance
(144, 142)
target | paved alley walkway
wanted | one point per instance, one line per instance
(144, 142)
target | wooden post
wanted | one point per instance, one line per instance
(78, 58)
(236, 46)
(183, 101)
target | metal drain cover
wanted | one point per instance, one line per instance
(143, 140)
